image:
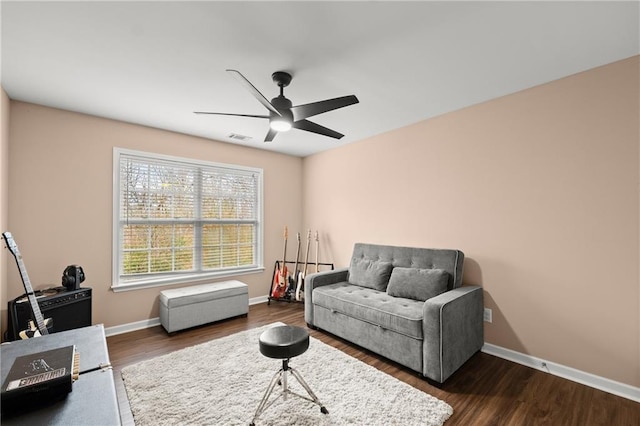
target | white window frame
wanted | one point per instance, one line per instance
(153, 281)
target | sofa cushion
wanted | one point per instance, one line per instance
(409, 257)
(370, 273)
(403, 316)
(416, 283)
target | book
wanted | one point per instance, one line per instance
(40, 377)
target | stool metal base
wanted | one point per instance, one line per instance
(280, 378)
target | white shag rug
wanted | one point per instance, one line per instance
(221, 382)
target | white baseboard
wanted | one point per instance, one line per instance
(152, 322)
(132, 326)
(259, 299)
(587, 379)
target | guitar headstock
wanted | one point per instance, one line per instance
(316, 236)
(286, 232)
(309, 235)
(11, 244)
(298, 236)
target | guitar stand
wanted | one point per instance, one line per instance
(290, 299)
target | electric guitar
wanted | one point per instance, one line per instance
(280, 280)
(41, 327)
(303, 274)
(293, 280)
(276, 282)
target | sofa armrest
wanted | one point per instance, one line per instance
(453, 330)
(316, 280)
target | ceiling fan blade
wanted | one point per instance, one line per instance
(301, 112)
(270, 135)
(246, 83)
(310, 126)
(233, 115)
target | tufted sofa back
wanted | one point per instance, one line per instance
(410, 257)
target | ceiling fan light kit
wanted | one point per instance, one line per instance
(280, 124)
(283, 115)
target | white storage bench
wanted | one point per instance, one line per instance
(186, 307)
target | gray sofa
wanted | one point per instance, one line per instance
(406, 304)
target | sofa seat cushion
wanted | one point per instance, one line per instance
(376, 307)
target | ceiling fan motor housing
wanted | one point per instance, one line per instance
(281, 103)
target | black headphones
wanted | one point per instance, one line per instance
(72, 276)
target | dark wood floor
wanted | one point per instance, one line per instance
(486, 391)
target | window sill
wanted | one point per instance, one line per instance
(195, 278)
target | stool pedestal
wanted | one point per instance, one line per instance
(285, 342)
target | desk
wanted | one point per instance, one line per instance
(93, 398)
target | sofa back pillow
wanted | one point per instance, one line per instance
(448, 260)
(417, 284)
(370, 273)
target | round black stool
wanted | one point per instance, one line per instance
(285, 342)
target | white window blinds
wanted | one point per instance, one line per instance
(179, 217)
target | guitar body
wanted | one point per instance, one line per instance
(299, 287)
(42, 324)
(33, 331)
(281, 277)
(276, 283)
(282, 282)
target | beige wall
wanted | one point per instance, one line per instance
(4, 200)
(539, 189)
(61, 200)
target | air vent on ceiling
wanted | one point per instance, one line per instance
(239, 137)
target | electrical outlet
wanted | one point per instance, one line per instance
(488, 315)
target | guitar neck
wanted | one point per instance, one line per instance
(284, 255)
(39, 320)
(295, 269)
(317, 249)
(284, 251)
(33, 301)
(306, 258)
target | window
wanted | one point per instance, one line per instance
(179, 220)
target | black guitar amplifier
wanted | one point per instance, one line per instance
(68, 309)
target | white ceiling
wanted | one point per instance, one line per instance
(154, 63)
